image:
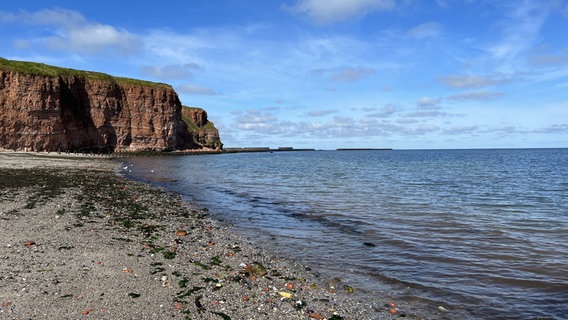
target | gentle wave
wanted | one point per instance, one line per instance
(480, 231)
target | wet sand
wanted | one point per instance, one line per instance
(78, 241)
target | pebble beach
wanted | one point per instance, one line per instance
(79, 241)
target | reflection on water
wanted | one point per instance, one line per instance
(481, 231)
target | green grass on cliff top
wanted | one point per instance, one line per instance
(191, 125)
(41, 69)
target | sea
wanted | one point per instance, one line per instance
(481, 233)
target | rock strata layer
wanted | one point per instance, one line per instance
(80, 111)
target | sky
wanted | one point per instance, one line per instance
(326, 74)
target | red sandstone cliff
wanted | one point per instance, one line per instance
(76, 112)
(204, 132)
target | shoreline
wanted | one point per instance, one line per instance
(82, 241)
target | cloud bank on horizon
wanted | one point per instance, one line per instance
(327, 73)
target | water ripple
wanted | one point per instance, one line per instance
(483, 231)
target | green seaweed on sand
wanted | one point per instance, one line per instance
(222, 315)
(168, 254)
(183, 283)
(209, 280)
(45, 183)
(189, 292)
(198, 303)
(157, 270)
(216, 261)
(201, 265)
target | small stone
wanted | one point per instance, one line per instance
(181, 233)
(442, 309)
(165, 282)
(86, 312)
(314, 315)
(256, 269)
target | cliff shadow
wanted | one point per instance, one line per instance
(81, 132)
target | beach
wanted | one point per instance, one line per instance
(80, 241)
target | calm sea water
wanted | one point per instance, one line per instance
(483, 233)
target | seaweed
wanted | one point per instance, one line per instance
(189, 292)
(222, 315)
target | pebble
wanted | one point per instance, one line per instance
(181, 233)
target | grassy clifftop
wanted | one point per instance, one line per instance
(45, 70)
(192, 126)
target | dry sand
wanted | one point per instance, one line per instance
(78, 241)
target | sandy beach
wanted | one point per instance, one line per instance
(79, 241)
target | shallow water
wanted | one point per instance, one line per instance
(482, 232)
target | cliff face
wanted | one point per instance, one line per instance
(202, 130)
(76, 112)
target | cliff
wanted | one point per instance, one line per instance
(45, 108)
(203, 131)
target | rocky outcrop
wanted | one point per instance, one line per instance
(203, 131)
(44, 108)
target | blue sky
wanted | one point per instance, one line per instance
(326, 73)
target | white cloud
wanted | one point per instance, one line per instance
(55, 17)
(428, 102)
(320, 113)
(351, 74)
(169, 72)
(520, 31)
(477, 95)
(72, 32)
(457, 130)
(426, 114)
(330, 11)
(261, 123)
(95, 38)
(543, 58)
(346, 74)
(425, 30)
(471, 81)
(554, 129)
(385, 112)
(195, 89)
